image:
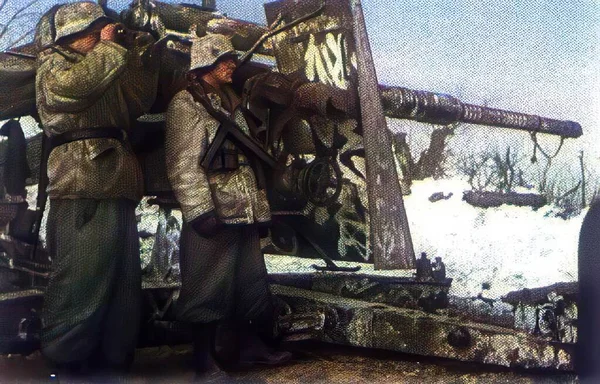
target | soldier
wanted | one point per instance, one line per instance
(424, 269)
(89, 88)
(224, 278)
(438, 270)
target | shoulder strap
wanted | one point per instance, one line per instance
(231, 130)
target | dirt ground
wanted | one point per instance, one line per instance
(312, 363)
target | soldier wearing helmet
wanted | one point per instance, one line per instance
(224, 278)
(89, 90)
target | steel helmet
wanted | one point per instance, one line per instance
(208, 49)
(76, 17)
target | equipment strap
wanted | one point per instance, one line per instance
(230, 130)
(88, 133)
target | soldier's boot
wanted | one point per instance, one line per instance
(206, 366)
(227, 344)
(66, 372)
(100, 368)
(254, 351)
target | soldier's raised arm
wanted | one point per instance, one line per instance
(140, 78)
(69, 86)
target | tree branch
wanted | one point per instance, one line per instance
(569, 192)
(2, 4)
(21, 38)
(15, 16)
(28, 14)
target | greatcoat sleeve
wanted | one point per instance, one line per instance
(140, 78)
(187, 139)
(73, 87)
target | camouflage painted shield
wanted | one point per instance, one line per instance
(368, 221)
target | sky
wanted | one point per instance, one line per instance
(532, 56)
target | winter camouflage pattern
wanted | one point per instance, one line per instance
(233, 194)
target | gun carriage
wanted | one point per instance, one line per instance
(331, 154)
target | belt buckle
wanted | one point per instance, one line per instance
(242, 159)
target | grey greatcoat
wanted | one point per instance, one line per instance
(234, 195)
(224, 276)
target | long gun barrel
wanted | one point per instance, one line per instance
(437, 108)
(401, 103)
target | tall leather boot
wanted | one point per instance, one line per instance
(207, 368)
(100, 369)
(227, 344)
(254, 351)
(66, 372)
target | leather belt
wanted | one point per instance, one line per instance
(88, 133)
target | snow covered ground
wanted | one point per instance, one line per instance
(507, 247)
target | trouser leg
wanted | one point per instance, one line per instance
(253, 297)
(224, 279)
(254, 307)
(122, 323)
(207, 268)
(86, 240)
(587, 353)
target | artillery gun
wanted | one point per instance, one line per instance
(330, 138)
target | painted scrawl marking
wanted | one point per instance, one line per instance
(325, 61)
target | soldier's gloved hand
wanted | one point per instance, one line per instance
(207, 225)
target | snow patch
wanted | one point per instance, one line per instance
(507, 247)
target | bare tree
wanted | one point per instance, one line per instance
(565, 199)
(431, 161)
(19, 26)
(543, 183)
(509, 175)
(492, 170)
